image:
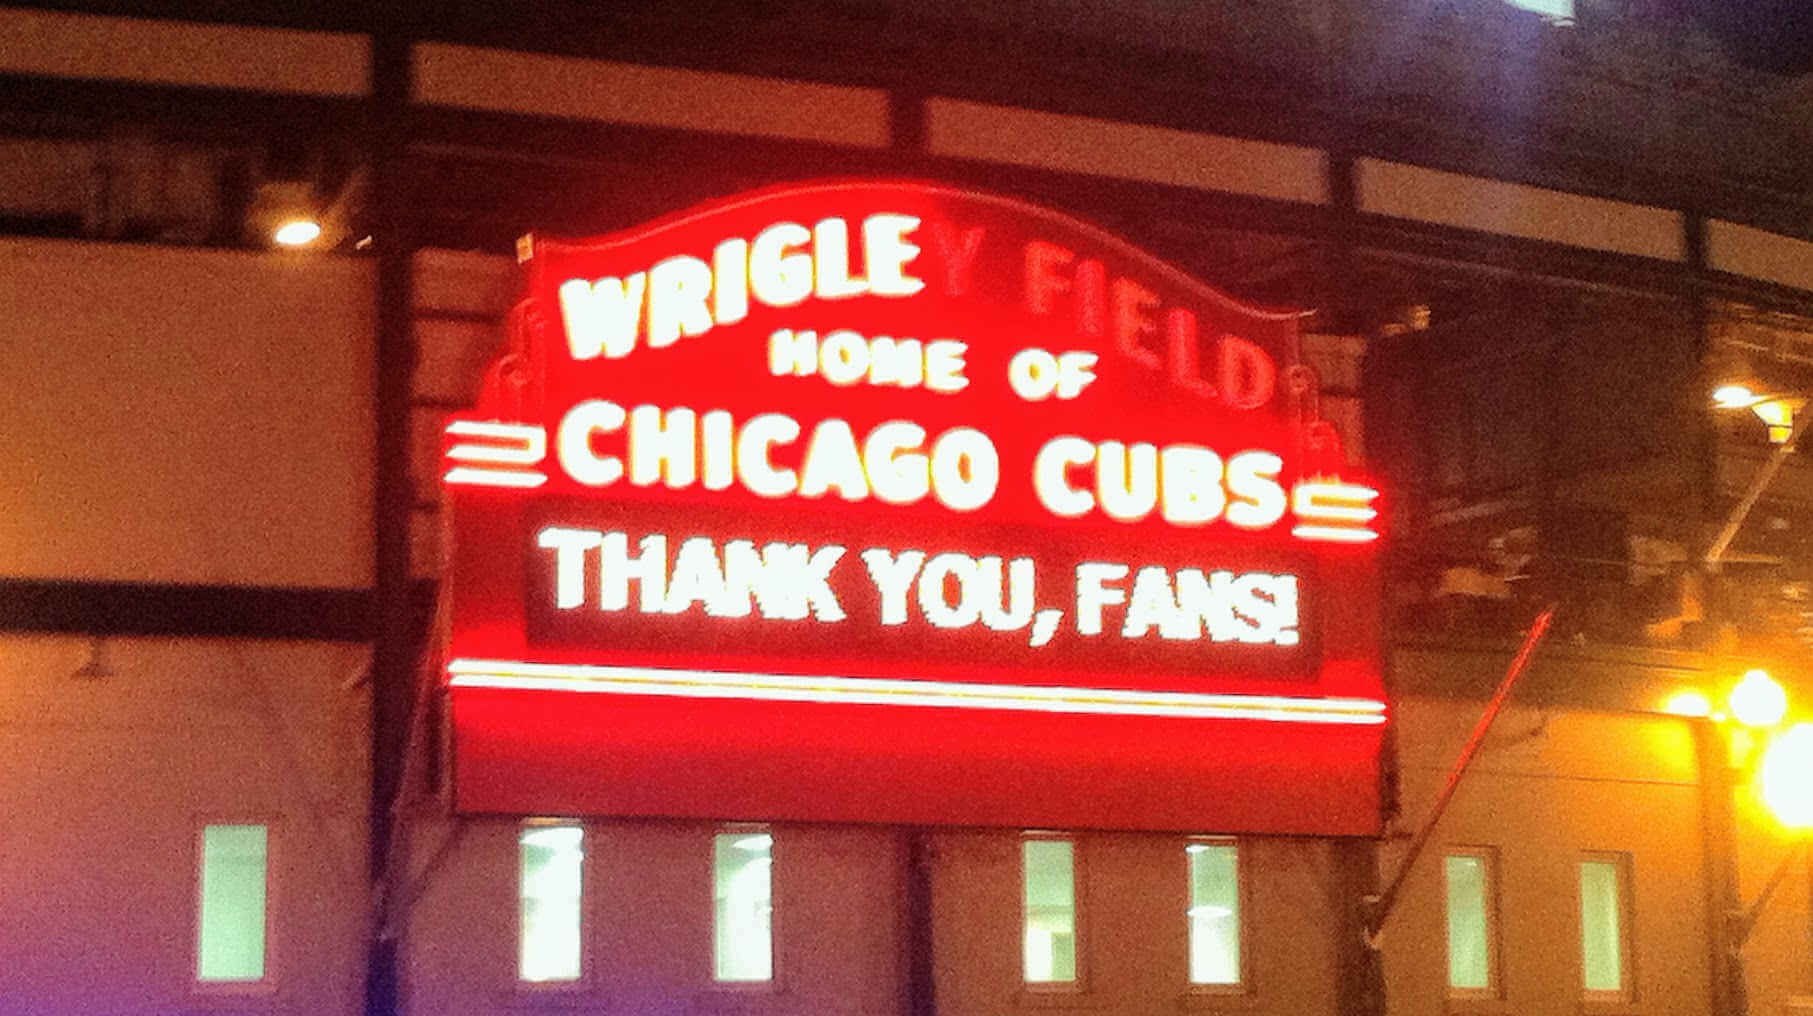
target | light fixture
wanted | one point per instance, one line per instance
(760, 841)
(95, 668)
(296, 233)
(1758, 701)
(1690, 702)
(1777, 411)
(1786, 777)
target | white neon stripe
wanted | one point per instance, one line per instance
(1336, 502)
(878, 691)
(519, 444)
(1335, 534)
(494, 478)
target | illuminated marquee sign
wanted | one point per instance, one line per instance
(892, 502)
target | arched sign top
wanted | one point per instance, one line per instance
(898, 446)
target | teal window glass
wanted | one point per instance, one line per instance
(1471, 893)
(743, 916)
(1049, 868)
(1602, 926)
(1214, 913)
(230, 931)
(550, 882)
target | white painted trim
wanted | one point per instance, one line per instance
(470, 77)
(1125, 151)
(1513, 209)
(1748, 251)
(282, 60)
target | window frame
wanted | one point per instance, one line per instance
(773, 982)
(1494, 989)
(1625, 867)
(267, 984)
(584, 981)
(1079, 983)
(1242, 918)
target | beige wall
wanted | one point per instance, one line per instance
(105, 783)
(182, 415)
(1132, 895)
(1548, 785)
(839, 941)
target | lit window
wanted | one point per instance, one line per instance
(1472, 884)
(1605, 926)
(1214, 912)
(1554, 10)
(1049, 868)
(551, 859)
(230, 932)
(743, 888)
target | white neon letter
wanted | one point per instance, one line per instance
(602, 316)
(1050, 482)
(679, 289)
(887, 252)
(663, 447)
(944, 365)
(1092, 595)
(1126, 480)
(730, 281)
(780, 275)
(569, 547)
(898, 472)
(1255, 498)
(754, 467)
(892, 576)
(616, 568)
(1190, 485)
(573, 442)
(831, 257)
(832, 462)
(965, 469)
(940, 611)
(843, 358)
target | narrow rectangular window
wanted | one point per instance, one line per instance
(550, 882)
(1471, 878)
(230, 925)
(1049, 880)
(743, 918)
(1605, 926)
(1214, 912)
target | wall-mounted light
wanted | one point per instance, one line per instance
(296, 233)
(1775, 410)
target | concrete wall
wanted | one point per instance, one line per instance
(107, 784)
(1549, 785)
(839, 940)
(181, 416)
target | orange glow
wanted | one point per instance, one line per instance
(466, 673)
(1758, 701)
(1786, 777)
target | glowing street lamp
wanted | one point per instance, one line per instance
(1775, 410)
(1786, 778)
(1758, 700)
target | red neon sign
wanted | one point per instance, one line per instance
(931, 464)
